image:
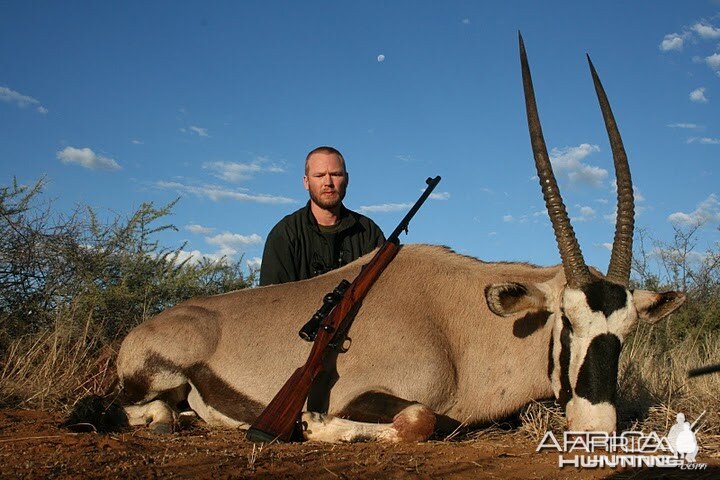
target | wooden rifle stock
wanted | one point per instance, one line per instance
(280, 418)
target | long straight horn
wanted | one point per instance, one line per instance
(576, 272)
(621, 256)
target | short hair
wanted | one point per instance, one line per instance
(328, 150)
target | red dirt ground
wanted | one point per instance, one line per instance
(31, 446)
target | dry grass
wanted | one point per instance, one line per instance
(52, 369)
(654, 385)
(539, 417)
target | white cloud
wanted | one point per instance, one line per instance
(228, 245)
(86, 158)
(588, 174)
(228, 241)
(679, 256)
(199, 229)
(11, 96)
(704, 140)
(196, 256)
(586, 214)
(233, 171)
(254, 263)
(672, 41)
(707, 211)
(698, 95)
(706, 30)
(607, 246)
(385, 207)
(136, 142)
(215, 193)
(684, 125)
(713, 61)
(465, 21)
(236, 172)
(201, 132)
(568, 160)
(508, 218)
(440, 196)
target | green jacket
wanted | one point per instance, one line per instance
(297, 249)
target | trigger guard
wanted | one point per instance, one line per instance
(345, 346)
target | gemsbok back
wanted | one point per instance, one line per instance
(441, 339)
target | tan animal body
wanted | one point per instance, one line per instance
(440, 339)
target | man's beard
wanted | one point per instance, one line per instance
(327, 203)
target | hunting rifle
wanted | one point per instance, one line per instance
(280, 419)
(696, 372)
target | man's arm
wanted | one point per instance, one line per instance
(377, 235)
(277, 262)
(380, 238)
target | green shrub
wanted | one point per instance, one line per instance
(72, 285)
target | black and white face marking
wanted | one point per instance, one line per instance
(597, 378)
(606, 297)
(588, 336)
(565, 389)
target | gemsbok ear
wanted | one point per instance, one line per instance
(509, 298)
(652, 307)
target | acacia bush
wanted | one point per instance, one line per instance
(653, 383)
(678, 265)
(72, 284)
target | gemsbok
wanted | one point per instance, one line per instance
(441, 339)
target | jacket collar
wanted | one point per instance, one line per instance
(347, 220)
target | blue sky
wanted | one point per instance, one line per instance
(218, 103)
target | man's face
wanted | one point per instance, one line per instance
(326, 180)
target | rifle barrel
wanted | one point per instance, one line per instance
(696, 372)
(405, 222)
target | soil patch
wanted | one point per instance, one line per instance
(32, 446)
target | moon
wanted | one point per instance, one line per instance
(381, 58)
